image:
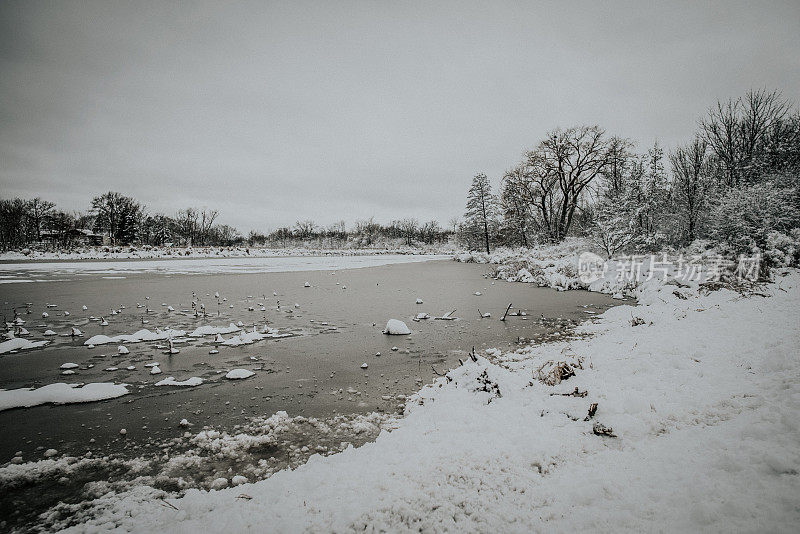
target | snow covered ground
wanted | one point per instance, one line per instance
(33, 271)
(695, 428)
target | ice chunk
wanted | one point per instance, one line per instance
(396, 327)
(238, 374)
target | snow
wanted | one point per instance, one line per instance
(209, 330)
(18, 343)
(248, 338)
(189, 382)
(299, 262)
(239, 374)
(60, 393)
(219, 483)
(137, 337)
(396, 327)
(705, 422)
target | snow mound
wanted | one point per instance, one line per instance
(396, 327)
(60, 393)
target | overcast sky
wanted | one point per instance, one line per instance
(273, 112)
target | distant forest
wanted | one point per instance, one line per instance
(118, 220)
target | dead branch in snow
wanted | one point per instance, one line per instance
(600, 429)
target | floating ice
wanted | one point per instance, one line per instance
(396, 327)
(20, 344)
(60, 393)
(238, 374)
(189, 382)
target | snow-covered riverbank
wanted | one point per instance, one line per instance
(699, 389)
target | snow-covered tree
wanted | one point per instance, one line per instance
(517, 209)
(691, 184)
(118, 215)
(480, 218)
(613, 228)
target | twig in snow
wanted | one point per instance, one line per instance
(592, 411)
(574, 393)
(164, 501)
(602, 430)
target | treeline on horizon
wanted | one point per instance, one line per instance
(734, 186)
(121, 221)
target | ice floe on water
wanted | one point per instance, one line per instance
(247, 338)
(209, 330)
(19, 343)
(189, 382)
(137, 337)
(239, 374)
(60, 393)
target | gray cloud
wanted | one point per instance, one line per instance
(273, 112)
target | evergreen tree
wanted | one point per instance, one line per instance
(481, 214)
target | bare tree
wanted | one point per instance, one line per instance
(38, 210)
(207, 218)
(408, 229)
(737, 132)
(188, 225)
(305, 229)
(453, 223)
(429, 231)
(690, 170)
(561, 167)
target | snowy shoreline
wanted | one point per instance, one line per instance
(37, 271)
(702, 422)
(167, 253)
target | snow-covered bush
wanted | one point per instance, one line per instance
(784, 250)
(744, 218)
